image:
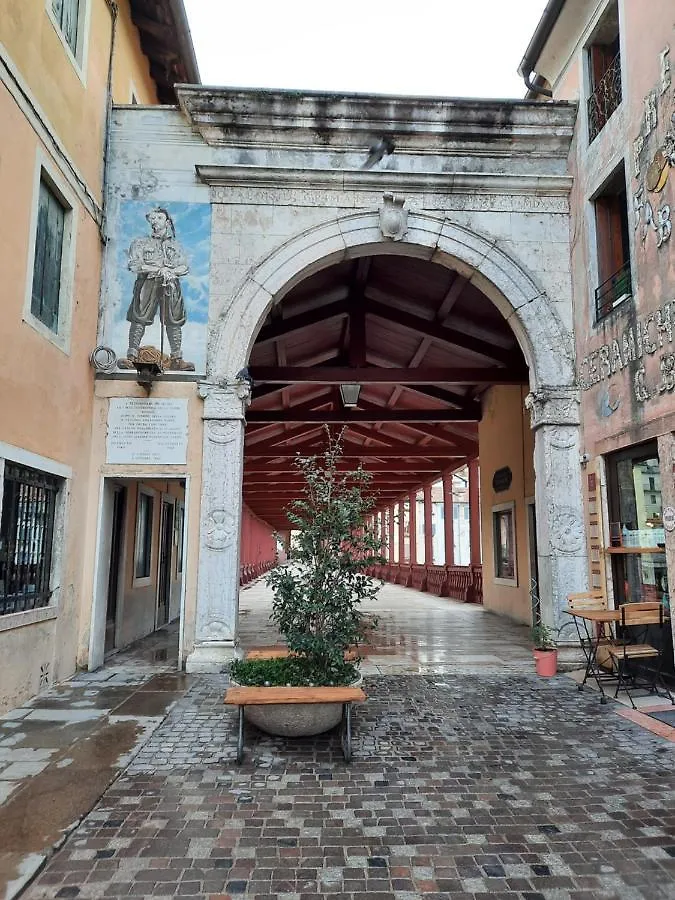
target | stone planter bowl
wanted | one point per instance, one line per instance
(296, 719)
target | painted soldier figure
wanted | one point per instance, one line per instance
(158, 261)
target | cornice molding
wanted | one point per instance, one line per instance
(357, 180)
(292, 119)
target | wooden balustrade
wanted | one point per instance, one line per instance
(250, 571)
(459, 582)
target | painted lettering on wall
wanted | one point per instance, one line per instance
(649, 335)
(655, 158)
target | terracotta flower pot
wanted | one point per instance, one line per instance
(546, 662)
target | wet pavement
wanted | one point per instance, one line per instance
(461, 787)
(60, 752)
(417, 632)
(471, 777)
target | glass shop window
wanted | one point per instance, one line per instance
(637, 538)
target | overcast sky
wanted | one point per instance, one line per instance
(453, 48)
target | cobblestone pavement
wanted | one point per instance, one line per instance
(462, 786)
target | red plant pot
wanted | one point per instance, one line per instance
(546, 662)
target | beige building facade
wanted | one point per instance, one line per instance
(62, 65)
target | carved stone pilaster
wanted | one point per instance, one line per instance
(218, 576)
(560, 516)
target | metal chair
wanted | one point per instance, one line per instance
(594, 639)
(628, 658)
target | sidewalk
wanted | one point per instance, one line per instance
(60, 752)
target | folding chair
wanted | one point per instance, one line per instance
(628, 658)
(594, 638)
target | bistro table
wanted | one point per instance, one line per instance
(590, 625)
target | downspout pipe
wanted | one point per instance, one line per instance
(114, 12)
(527, 67)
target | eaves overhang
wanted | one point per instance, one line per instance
(166, 41)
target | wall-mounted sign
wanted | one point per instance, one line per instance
(669, 518)
(501, 480)
(142, 432)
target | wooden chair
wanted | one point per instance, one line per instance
(627, 658)
(592, 600)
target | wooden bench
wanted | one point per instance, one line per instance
(243, 696)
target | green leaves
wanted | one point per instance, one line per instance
(317, 597)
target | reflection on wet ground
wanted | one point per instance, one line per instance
(417, 632)
(59, 752)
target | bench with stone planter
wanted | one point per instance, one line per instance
(295, 711)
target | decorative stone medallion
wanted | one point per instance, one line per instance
(393, 217)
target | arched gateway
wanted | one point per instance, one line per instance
(479, 187)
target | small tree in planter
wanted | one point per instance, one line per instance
(317, 597)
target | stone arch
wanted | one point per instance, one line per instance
(553, 402)
(544, 340)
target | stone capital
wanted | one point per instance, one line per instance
(553, 406)
(226, 400)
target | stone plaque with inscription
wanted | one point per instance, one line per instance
(147, 432)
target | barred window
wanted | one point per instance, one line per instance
(26, 538)
(66, 13)
(49, 236)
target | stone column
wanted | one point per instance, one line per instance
(428, 523)
(448, 520)
(563, 565)
(219, 526)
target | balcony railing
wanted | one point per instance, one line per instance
(613, 292)
(605, 98)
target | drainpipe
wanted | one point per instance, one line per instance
(114, 11)
(526, 69)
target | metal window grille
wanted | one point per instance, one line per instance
(613, 292)
(47, 263)
(66, 13)
(605, 98)
(26, 536)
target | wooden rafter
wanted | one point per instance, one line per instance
(372, 375)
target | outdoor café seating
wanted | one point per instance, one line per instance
(637, 661)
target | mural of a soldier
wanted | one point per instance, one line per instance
(158, 262)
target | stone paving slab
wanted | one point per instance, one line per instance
(60, 752)
(462, 786)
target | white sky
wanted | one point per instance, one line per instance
(453, 48)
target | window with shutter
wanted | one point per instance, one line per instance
(613, 245)
(47, 261)
(66, 14)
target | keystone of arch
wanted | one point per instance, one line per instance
(546, 343)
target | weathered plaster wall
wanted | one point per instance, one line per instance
(23, 651)
(505, 439)
(627, 386)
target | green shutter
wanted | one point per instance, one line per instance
(48, 255)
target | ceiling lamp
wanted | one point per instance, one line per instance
(350, 395)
